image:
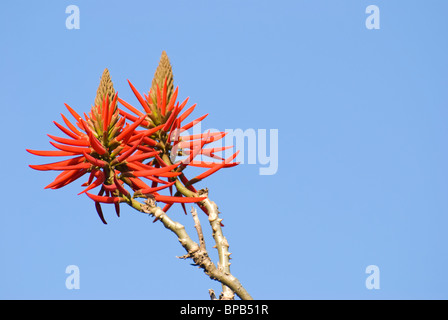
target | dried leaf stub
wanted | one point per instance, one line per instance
(163, 71)
(106, 87)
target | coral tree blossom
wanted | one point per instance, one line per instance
(126, 153)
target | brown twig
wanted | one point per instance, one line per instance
(197, 225)
(221, 242)
(194, 251)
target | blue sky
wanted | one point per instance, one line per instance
(362, 119)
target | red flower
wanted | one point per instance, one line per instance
(120, 151)
(167, 112)
(103, 146)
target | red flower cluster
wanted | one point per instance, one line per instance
(120, 150)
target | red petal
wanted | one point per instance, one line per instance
(102, 199)
(194, 122)
(183, 207)
(95, 161)
(130, 107)
(213, 170)
(64, 177)
(78, 174)
(167, 207)
(139, 184)
(139, 97)
(164, 96)
(213, 150)
(159, 101)
(155, 172)
(150, 132)
(173, 100)
(73, 112)
(70, 125)
(77, 142)
(50, 166)
(170, 120)
(126, 154)
(68, 148)
(130, 129)
(110, 187)
(142, 156)
(112, 108)
(100, 212)
(127, 115)
(95, 144)
(45, 153)
(78, 166)
(176, 132)
(120, 186)
(89, 181)
(99, 181)
(185, 181)
(137, 166)
(66, 131)
(196, 150)
(169, 199)
(117, 209)
(214, 136)
(105, 113)
(151, 190)
(187, 112)
(203, 164)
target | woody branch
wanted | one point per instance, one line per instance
(196, 252)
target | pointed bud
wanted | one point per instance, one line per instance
(106, 87)
(163, 71)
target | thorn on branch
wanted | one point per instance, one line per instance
(212, 294)
(184, 257)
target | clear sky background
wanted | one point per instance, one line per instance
(362, 117)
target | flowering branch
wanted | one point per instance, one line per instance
(126, 163)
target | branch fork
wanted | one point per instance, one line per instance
(198, 252)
